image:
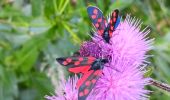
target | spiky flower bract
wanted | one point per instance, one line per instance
(123, 76)
(66, 90)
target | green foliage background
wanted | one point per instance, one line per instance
(34, 32)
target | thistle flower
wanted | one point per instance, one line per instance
(127, 42)
(90, 48)
(66, 90)
(123, 76)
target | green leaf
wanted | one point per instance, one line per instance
(41, 83)
(36, 7)
(8, 84)
(26, 57)
(49, 10)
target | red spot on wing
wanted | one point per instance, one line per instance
(84, 77)
(81, 69)
(100, 32)
(111, 22)
(99, 20)
(65, 63)
(98, 72)
(86, 91)
(88, 83)
(114, 19)
(91, 58)
(110, 33)
(95, 11)
(81, 59)
(69, 60)
(114, 14)
(81, 94)
(96, 25)
(93, 16)
(77, 63)
(90, 61)
(111, 27)
(93, 81)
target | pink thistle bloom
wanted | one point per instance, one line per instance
(123, 76)
(90, 48)
(66, 90)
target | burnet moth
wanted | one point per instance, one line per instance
(90, 67)
(103, 28)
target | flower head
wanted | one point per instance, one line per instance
(123, 76)
(90, 48)
(66, 90)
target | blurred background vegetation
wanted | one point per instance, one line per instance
(34, 32)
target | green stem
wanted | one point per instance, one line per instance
(75, 37)
(55, 6)
(64, 6)
(160, 85)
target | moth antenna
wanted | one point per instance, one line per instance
(90, 34)
(94, 27)
(93, 30)
(113, 68)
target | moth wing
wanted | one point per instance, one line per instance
(114, 21)
(76, 64)
(97, 18)
(87, 82)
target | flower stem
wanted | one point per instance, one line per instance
(160, 85)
